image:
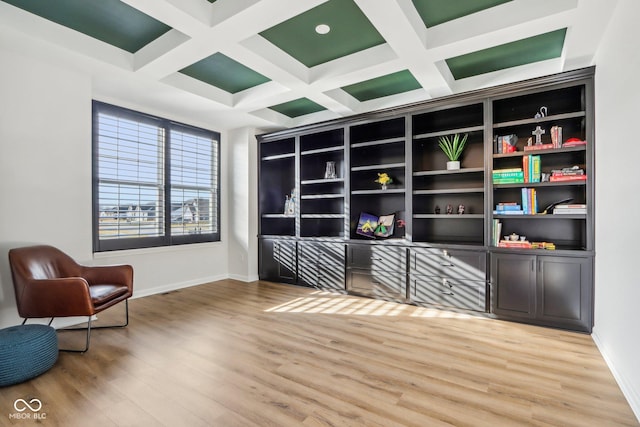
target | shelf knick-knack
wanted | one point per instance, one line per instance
(384, 179)
(330, 170)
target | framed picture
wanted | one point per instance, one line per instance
(367, 224)
(385, 226)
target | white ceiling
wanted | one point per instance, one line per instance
(149, 78)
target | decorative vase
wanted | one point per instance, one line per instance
(384, 186)
(330, 170)
(455, 165)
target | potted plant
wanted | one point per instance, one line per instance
(384, 179)
(452, 147)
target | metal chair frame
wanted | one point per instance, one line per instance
(88, 329)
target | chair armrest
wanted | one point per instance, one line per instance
(110, 274)
(56, 298)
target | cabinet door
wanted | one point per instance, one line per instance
(565, 291)
(514, 281)
(278, 260)
(321, 264)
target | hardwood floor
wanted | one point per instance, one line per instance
(261, 354)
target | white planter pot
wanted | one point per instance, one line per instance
(453, 165)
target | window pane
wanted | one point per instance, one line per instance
(194, 176)
(130, 211)
(130, 177)
(192, 212)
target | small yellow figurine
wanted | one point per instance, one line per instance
(384, 179)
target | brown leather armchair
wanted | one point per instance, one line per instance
(49, 283)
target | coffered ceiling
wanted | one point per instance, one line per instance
(279, 63)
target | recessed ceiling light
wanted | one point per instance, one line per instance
(323, 29)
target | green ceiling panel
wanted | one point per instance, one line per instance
(111, 21)
(521, 52)
(391, 84)
(350, 32)
(223, 72)
(434, 12)
(298, 107)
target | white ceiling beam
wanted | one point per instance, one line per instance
(190, 17)
(236, 20)
(399, 31)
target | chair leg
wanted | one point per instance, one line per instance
(88, 329)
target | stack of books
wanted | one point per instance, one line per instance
(529, 201)
(543, 245)
(508, 208)
(573, 173)
(538, 147)
(573, 142)
(497, 229)
(556, 136)
(523, 244)
(570, 209)
(508, 176)
(531, 168)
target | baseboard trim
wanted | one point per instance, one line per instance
(175, 286)
(246, 279)
(628, 390)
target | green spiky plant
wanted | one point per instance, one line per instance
(453, 145)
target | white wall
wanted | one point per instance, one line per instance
(45, 181)
(617, 294)
(242, 200)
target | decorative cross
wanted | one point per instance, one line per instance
(538, 133)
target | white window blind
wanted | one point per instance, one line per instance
(155, 181)
(194, 172)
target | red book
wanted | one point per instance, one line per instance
(514, 244)
(538, 147)
(573, 143)
(558, 178)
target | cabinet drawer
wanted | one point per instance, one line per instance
(379, 258)
(320, 253)
(465, 294)
(377, 284)
(454, 264)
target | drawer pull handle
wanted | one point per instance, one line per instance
(446, 293)
(374, 258)
(447, 264)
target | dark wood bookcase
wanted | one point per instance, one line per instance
(435, 187)
(434, 258)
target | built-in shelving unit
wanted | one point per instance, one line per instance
(377, 147)
(322, 197)
(566, 107)
(435, 188)
(277, 175)
(436, 257)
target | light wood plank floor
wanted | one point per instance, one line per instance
(261, 354)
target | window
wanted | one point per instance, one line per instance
(155, 182)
